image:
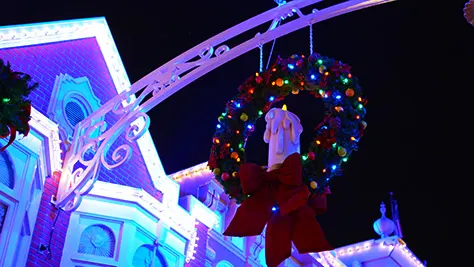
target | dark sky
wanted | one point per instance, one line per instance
(402, 53)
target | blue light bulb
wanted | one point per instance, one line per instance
(249, 126)
(291, 66)
(280, 2)
(338, 97)
(237, 104)
(313, 77)
(218, 126)
(274, 209)
(271, 98)
(333, 167)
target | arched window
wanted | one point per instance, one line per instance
(75, 112)
(97, 240)
(224, 264)
(143, 257)
(7, 174)
(72, 100)
(7, 178)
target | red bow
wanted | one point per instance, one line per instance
(293, 221)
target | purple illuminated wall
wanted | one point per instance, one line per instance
(77, 58)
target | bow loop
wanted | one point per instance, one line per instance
(290, 171)
(292, 193)
(251, 177)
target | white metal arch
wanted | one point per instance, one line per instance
(167, 80)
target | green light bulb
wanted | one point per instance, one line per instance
(6, 100)
(286, 81)
(305, 157)
(260, 113)
(320, 61)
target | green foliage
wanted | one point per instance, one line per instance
(15, 106)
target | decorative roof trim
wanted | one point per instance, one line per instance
(67, 30)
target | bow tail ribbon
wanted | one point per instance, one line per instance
(299, 227)
(12, 132)
(295, 222)
(253, 214)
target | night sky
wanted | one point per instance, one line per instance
(401, 52)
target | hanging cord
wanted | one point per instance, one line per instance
(48, 248)
(260, 69)
(273, 46)
(310, 38)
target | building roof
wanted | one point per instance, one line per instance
(389, 252)
(67, 30)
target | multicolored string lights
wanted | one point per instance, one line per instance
(336, 136)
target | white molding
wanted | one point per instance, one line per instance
(43, 126)
(69, 89)
(375, 249)
(41, 147)
(48, 32)
(200, 211)
(138, 213)
(50, 130)
(227, 244)
(176, 217)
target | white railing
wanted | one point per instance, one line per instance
(93, 135)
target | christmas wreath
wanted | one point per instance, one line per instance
(15, 108)
(335, 139)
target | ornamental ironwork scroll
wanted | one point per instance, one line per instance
(93, 138)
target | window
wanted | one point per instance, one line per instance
(72, 101)
(74, 113)
(143, 257)
(19, 202)
(7, 181)
(97, 240)
(3, 214)
(7, 176)
(224, 264)
(109, 228)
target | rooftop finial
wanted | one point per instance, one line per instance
(395, 216)
(384, 226)
(383, 209)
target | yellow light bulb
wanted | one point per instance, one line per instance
(284, 107)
